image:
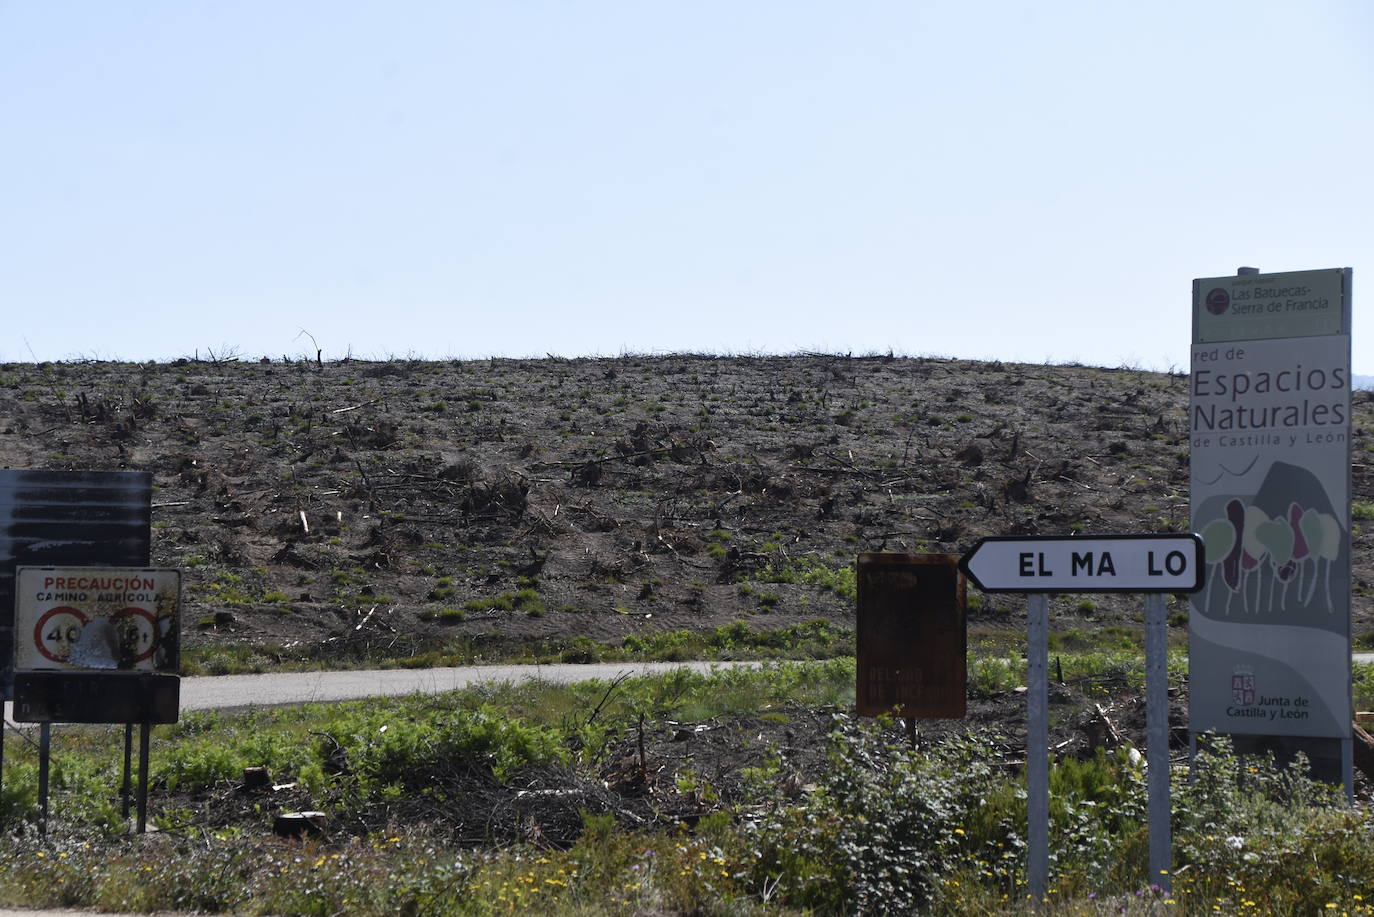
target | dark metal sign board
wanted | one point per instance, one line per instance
(67, 518)
(81, 697)
(1166, 563)
(911, 640)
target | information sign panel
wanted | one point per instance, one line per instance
(1269, 636)
(1072, 563)
(911, 636)
(97, 619)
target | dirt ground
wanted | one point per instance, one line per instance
(354, 509)
(666, 774)
(357, 512)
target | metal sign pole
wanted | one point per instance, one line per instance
(1154, 564)
(44, 748)
(1157, 740)
(143, 734)
(1037, 747)
(1348, 768)
(126, 790)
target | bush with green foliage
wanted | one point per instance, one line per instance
(388, 753)
(882, 831)
(808, 570)
(885, 829)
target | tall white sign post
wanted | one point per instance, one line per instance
(1270, 425)
(1151, 564)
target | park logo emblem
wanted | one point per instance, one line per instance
(1218, 301)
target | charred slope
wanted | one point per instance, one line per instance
(397, 508)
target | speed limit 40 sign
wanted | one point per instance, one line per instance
(91, 619)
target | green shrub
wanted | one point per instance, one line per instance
(443, 589)
(200, 764)
(992, 675)
(581, 649)
(416, 753)
(19, 794)
(885, 827)
(808, 570)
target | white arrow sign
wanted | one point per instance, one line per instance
(1107, 563)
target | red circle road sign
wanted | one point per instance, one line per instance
(57, 630)
(144, 639)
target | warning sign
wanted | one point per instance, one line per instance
(94, 619)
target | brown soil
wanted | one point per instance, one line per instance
(334, 512)
(660, 773)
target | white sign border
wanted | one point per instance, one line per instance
(1028, 584)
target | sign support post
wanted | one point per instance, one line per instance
(98, 645)
(1154, 565)
(144, 732)
(1348, 768)
(44, 753)
(1037, 746)
(126, 789)
(1157, 740)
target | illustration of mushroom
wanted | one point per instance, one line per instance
(1249, 544)
(1219, 542)
(1301, 551)
(1230, 567)
(1277, 537)
(1253, 553)
(1323, 535)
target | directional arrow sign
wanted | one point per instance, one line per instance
(1070, 563)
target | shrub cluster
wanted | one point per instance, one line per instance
(885, 828)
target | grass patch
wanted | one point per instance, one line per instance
(526, 600)
(887, 829)
(444, 615)
(808, 570)
(816, 639)
(228, 659)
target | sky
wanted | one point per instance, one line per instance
(1000, 180)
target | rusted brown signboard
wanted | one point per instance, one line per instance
(912, 636)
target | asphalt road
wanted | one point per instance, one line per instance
(232, 692)
(237, 691)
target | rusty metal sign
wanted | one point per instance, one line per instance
(97, 620)
(62, 518)
(912, 638)
(80, 697)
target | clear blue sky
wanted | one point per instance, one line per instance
(1023, 181)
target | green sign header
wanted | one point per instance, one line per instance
(1250, 307)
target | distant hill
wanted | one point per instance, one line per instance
(454, 511)
(1365, 382)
